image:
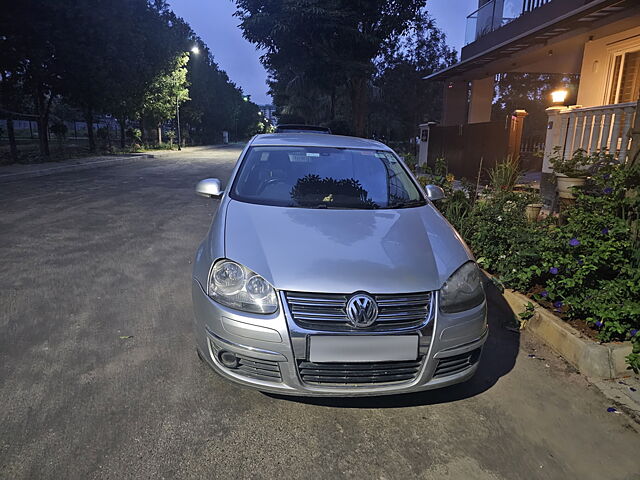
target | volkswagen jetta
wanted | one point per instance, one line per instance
(328, 270)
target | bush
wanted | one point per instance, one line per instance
(504, 240)
(59, 130)
(586, 268)
(134, 134)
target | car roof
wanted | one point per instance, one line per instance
(316, 140)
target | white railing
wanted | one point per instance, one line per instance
(604, 129)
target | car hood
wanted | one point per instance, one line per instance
(343, 251)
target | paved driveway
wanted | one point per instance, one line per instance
(92, 258)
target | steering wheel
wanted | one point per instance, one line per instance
(271, 181)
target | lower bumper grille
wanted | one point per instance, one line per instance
(252, 367)
(358, 373)
(258, 368)
(456, 364)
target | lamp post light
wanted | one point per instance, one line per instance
(559, 96)
(195, 50)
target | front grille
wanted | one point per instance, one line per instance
(326, 311)
(358, 373)
(456, 364)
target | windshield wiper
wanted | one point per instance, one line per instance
(344, 207)
(408, 203)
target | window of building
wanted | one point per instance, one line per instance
(625, 78)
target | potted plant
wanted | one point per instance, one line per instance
(533, 206)
(571, 171)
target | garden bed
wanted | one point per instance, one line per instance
(590, 357)
(584, 265)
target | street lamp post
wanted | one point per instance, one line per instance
(178, 122)
(195, 50)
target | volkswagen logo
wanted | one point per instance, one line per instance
(362, 310)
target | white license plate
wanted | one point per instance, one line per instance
(363, 348)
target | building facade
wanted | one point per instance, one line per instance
(597, 39)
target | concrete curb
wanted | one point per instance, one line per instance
(73, 167)
(592, 359)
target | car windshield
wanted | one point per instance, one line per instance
(324, 177)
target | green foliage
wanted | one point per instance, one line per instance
(330, 60)
(585, 268)
(167, 90)
(134, 134)
(501, 234)
(504, 176)
(59, 129)
(125, 58)
(530, 92)
(527, 314)
(575, 166)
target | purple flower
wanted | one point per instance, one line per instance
(599, 323)
(553, 271)
(574, 242)
(558, 304)
(633, 332)
(604, 231)
(607, 191)
(544, 293)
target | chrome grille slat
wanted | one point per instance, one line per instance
(326, 311)
(456, 364)
(358, 373)
(317, 314)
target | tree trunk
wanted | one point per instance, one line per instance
(333, 104)
(359, 105)
(88, 117)
(12, 139)
(143, 130)
(42, 105)
(159, 134)
(121, 122)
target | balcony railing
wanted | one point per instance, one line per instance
(603, 129)
(495, 14)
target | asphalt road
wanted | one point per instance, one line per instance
(100, 379)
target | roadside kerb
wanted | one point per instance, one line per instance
(590, 358)
(47, 169)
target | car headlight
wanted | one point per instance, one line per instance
(236, 286)
(463, 290)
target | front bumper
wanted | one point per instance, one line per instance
(271, 349)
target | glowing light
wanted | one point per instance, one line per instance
(559, 96)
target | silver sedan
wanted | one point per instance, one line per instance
(328, 271)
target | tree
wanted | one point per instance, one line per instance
(166, 92)
(531, 92)
(126, 58)
(28, 55)
(324, 47)
(404, 99)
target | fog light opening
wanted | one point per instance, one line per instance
(228, 359)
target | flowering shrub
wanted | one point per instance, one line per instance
(505, 242)
(585, 268)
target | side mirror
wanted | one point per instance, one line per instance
(434, 192)
(209, 187)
